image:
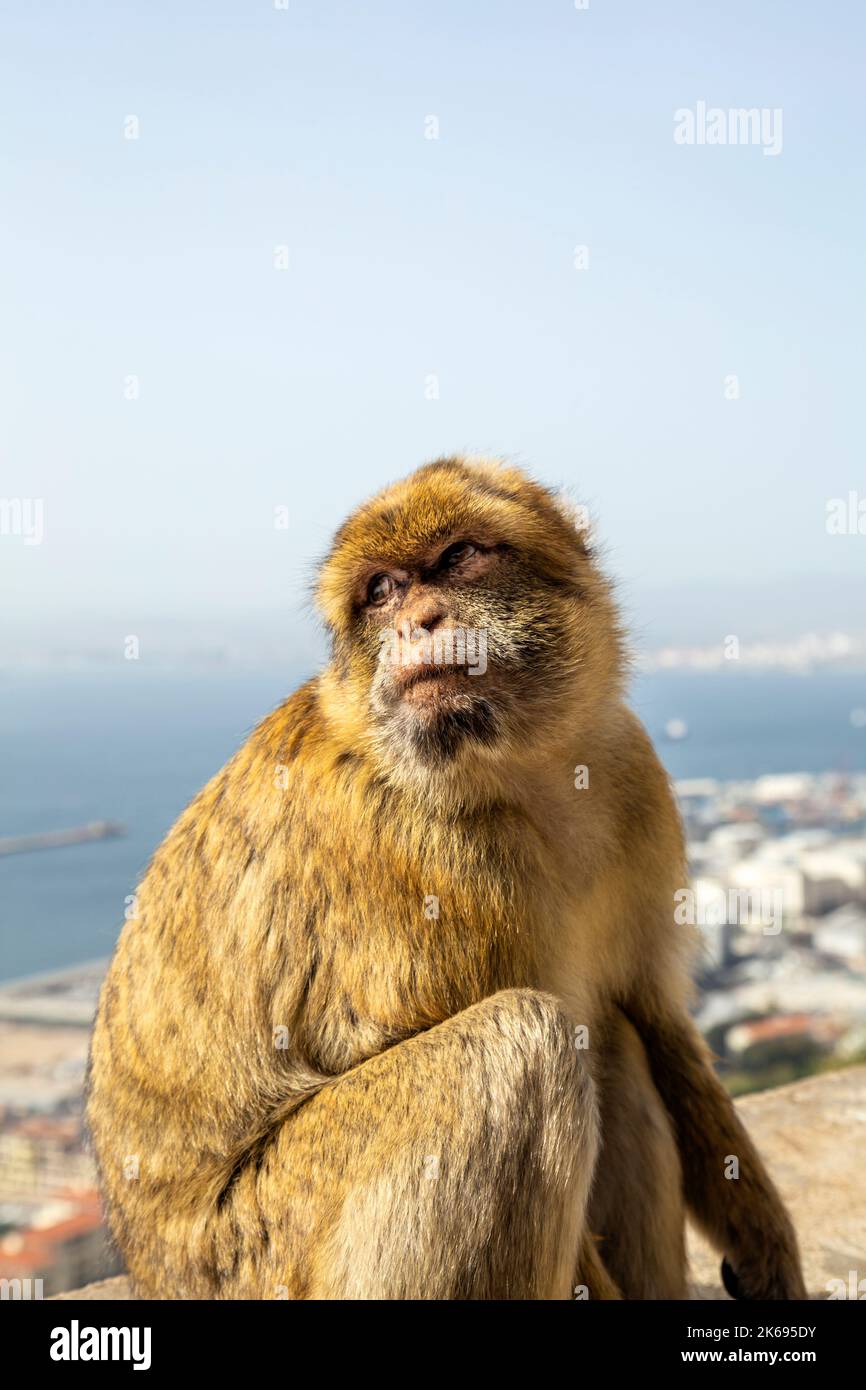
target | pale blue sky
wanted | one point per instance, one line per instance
(409, 256)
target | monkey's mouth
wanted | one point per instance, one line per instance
(424, 674)
(433, 686)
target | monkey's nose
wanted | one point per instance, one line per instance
(415, 632)
(427, 614)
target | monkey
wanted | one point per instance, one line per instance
(403, 1011)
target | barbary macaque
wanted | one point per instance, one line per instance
(403, 1012)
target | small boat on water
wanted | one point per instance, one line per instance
(55, 839)
(676, 729)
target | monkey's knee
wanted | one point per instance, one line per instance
(536, 1070)
(533, 1027)
(482, 1195)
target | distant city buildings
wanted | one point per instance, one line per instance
(52, 1236)
(778, 873)
(57, 1243)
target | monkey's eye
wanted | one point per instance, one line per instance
(380, 589)
(455, 554)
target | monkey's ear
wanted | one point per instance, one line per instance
(732, 1283)
(578, 516)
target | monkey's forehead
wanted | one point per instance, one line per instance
(455, 498)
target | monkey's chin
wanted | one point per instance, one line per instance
(436, 720)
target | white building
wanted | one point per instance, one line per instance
(843, 934)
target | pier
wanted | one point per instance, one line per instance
(56, 839)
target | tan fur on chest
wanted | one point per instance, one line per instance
(429, 916)
(422, 920)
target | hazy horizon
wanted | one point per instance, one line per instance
(290, 632)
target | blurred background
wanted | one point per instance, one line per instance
(258, 259)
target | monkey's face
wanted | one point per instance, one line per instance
(467, 616)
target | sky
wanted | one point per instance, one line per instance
(425, 267)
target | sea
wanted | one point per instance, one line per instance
(135, 745)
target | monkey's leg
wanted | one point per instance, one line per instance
(637, 1205)
(592, 1274)
(455, 1165)
(737, 1206)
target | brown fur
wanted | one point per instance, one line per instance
(331, 1093)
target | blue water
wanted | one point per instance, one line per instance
(134, 747)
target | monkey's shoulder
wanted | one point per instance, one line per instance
(635, 784)
(249, 793)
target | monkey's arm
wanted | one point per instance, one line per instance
(743, 1215)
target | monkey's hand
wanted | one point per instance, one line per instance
(774, 1275)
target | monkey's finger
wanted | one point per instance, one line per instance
(732, 1283)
